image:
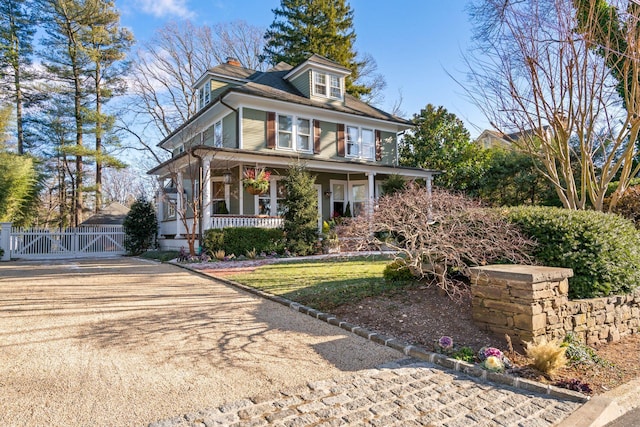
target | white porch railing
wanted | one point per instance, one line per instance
(246, 221)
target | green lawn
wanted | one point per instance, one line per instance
(321, 284)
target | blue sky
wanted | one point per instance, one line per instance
(415, 43)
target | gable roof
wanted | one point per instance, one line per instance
(272, 84)
(112, 214)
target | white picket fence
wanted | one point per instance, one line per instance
(31, 243)
(246, 221)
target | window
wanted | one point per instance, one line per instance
(304, 135)
(368, 144)
(204, 95)
(285, 131)
(320, 82)
(352, 142)
(358, 198)
(281, 194)
(217, 134)
(336, 88)
(320, 86)
(171, 209)
(218, 203)
(338, 195)
(360, 143)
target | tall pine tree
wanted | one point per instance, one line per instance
(17, 27)
(325, 27)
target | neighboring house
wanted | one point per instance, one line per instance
(110, 215)
(251, 119)
(494, 139)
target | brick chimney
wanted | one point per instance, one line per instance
(233, 61)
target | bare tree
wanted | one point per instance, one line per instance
(439, 236)
(166, 68)
(125, 186)
(539, 71)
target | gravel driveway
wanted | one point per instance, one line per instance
(127, 342)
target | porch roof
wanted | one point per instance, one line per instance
(280, 159)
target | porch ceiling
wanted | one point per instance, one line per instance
(224, 157)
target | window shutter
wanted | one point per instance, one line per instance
(378, 146)
(271, 130)
(340, 140)
(316, 136)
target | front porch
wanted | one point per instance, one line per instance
(222, 201)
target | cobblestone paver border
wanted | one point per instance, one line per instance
(409, 392)
(408, 349)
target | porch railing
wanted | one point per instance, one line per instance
(246, 221)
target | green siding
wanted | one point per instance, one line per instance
(328, 140)
(388, 148)
(254, 129)
(229, 130)
(208, 136)
(303, 83)
(217, 88)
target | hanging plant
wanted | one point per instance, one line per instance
(256, 181)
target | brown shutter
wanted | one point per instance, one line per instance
(378, 146)
(316, 136)
(271, 130)
(340, 140)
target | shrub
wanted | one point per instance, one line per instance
(140, 227)
(602, 249)
(397, 271)
(300, 211)
(243, 240)
(440, 237)
(629, 205)
(393, 184)
(548, 356)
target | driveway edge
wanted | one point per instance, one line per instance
(406, 348)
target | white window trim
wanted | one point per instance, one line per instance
(273, 196)
(227, 191)
(333, 182)
(352, 198)
(294, 133)
(204, 95)
(359, 143)
(327, 85)
(221, 134)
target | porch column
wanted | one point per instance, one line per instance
(180, 210)
(206, 192)
(372, 188)
(160, 205)
(240, 190)
(429, 181)
(5, 240)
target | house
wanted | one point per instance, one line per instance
(249, 119)
(495, 139)
(111, 215)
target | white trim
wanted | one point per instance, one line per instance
(327, 84)
(310, 65)
(240, 118)
(294, 133)
(359, 143)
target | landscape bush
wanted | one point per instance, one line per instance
(629, 205)
(397, 271)
(140, 227)
(602, 249)
(243, 240)
(439, 237)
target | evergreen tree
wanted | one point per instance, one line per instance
(304, 27)
(440, 141)
(106, 46)
(140, 227)
(300, 211)
(17, 27)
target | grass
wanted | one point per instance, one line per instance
(322, 284)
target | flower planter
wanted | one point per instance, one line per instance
(255, 191)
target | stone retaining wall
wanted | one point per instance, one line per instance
(531, 302)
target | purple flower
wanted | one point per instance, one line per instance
(486, 352)
(445, 342)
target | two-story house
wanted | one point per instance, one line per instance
(267, 120)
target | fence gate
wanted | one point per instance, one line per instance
(30, 243)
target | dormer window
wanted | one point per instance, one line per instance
(204, 95)
(327, 85)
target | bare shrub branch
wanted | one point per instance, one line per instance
(440, 237)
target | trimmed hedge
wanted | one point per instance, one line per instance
(240, 240)
(602, 249)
